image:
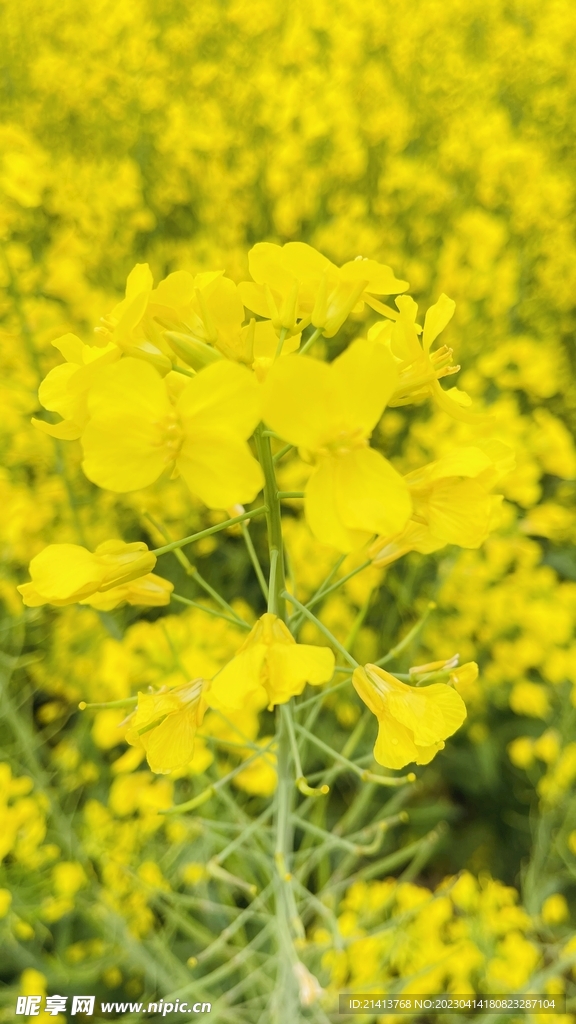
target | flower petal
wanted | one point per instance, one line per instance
(291, 666)
(394, 747)
(431, 712)
(300, 401)
(123, 440)
(369, 494)
(238, 681)
(63, 571)
(53, 391)
(365, 376)
(171, 744)
(459, 512)
(220, 469)
(437, 317)
(322, 513)
(222, 397)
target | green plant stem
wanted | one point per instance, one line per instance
(386, 864)
(296, 618)
(323, 629)
(254, 559)
(308, 344)
(283, 451)
(236, 621)
(276, 603)
(301, 781)
(281, 340)
(211, 791)
(320, 696)
(410, 636)
(193, 573)
(285, 993)
(317, 742)
(329, 590)
(175, 544)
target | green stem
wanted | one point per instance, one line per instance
(211, 791)
(410, 636)
(324, 593)
(180, 369)
(285, 996)
(210, 530)
(192, 571)
(274, 522)
(281, 340)
(283, 451)
(129, 702)
(323, 629)
(308, 344)
(195, 575)
(301, 781)
(254, 559)
(272, 592)
(285, 993)
(209, 611)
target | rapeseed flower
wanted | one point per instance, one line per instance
(329, 412)
(296, 285)
(165, 723)
(66, 573)
(209, 307)
(65, 388)
(136, 432)
(269, 668)
(420, 369)
(130, 325)
(151, 591)
(451, 502)
(413, 722)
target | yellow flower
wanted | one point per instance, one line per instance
(451, 502)
(295, 282)
(165, 723)
(65, 388)
(419, 369)
(136, 432)
(260, 777)
(531, 699)
(330, 411)
(521, 752)
(413, 722)
(555, 909)
(66, 573)
(130, 325)
(269, 668)
(68, 877)
(151, 590)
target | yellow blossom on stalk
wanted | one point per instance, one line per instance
(419, 369)
(136, 432)
(413, 722)
(130, 325)
(165, 723)
(209, 306)
(65, 388)
(269, 668)
(329, 411)
(260, 777)
(66, 573)
(451, 502)
(295, 282)
(151, 591)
